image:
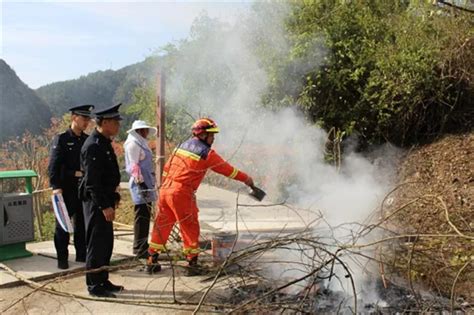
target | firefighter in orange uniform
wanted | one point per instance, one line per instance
(182, 176)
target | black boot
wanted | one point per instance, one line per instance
(152, 264)
(194, 269)
(81, 257)
(63, 264)
(101, 291)
(109, 286)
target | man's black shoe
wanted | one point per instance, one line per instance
(109, 286)
(102, 293)
(63, 264)
(81, 257)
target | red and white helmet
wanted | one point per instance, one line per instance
(204, 125)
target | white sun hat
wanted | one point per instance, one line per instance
(140, 124)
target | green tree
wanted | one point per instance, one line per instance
(390, 71)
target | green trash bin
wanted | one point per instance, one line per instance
(16, 216)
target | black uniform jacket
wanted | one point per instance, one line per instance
(65, 159)
(101, 171)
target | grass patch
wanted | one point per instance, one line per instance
(47, 228)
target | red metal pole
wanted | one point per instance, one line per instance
(160, 121)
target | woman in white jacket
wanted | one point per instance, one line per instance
(139, 165)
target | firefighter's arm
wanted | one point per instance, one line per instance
(219, 165)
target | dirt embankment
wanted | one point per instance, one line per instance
(436, 197)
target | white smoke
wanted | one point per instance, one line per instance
(279, 148)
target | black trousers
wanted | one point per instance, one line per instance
(100, 243)
(61, 238)
(141, 228)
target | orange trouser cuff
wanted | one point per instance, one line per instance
(156, 248)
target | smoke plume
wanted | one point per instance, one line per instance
(278, 147)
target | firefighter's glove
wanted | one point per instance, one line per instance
(249, 182)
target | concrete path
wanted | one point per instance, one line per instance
(219, 213)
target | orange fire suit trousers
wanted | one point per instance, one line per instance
(176, 205)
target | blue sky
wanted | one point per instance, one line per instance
(49, 41)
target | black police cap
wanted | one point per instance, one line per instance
(83, 110)
(109, 113)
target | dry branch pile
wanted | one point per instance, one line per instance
(439, 199)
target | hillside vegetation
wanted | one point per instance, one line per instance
(396, 71)
(20, 108)
(101, 88)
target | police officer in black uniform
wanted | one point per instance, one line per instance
(99, 193)
(64, 174)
